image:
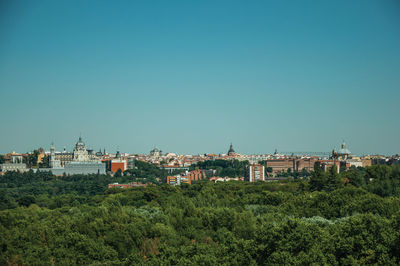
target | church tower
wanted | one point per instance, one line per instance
(53, 162)
(231, 151)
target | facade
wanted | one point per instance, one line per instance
(173, 180)
(19, 167)
(118, 164)
(354, 162)
(216, 179)
(185, 177)
(82, 168)
(54, 163)
(15, 163)
(80, 152)
(254, 173)
(195, 175)
(327, 164)
(172, 168)
(294, 164)
(131, 163)
(64, 157)
(82, 162)
(366, 162)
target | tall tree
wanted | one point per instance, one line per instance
(318, 178)
(332, 179)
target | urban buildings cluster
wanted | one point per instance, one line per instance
(260, 168)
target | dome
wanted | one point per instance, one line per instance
(80, 142)
(231, 150)
(344, 149)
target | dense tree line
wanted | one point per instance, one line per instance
(148, 171)
(352, 218)
(230, 168)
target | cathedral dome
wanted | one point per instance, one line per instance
(231, 151)
(344, 150)
(80, 142)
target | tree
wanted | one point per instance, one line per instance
(45, 162)
(26, 200)
(318, 178)
(118, 173)
(355, 176)
(332, 179)
(32, 159)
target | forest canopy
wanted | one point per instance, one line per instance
(348, 218)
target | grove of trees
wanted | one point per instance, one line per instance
(351, 218)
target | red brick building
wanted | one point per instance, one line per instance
(195, 175)
(294, 164)
(118, 164)
(186, 177)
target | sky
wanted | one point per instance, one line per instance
(194, 76)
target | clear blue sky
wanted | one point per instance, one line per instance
(193, 76)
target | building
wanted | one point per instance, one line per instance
(173, 180)
(54, 163)
(327, 164)
(343, 153)
(64, 157)
(118, 164)
(83, 168)
(131, 163)
(366, 162)
(195, 175)
(216, 179)
(82, 162)
(292, 163)
(231, 151)
(80, 153)
(15, 163)
(155, 153)
(254, 173)
(186, 177)
(129, 185)
(171, 168)
(354, 162)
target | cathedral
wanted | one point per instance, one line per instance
(80, 153)
(80, 161)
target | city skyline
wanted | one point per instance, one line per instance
(70, 147)
(191, 78)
